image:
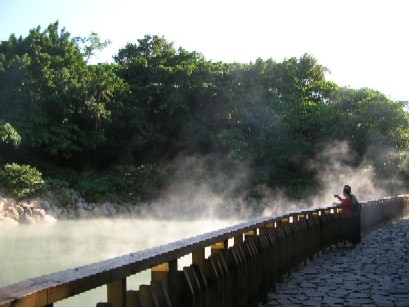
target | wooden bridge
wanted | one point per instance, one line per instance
(246, 262)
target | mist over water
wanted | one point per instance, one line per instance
(190, 207)
(334, 170)
(195, 193)
(28, 251)
(208, 187)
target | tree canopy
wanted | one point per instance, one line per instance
(157, 103)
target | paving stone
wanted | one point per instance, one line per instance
(359, 295)
(291, 291)
(315, 293)
(403, 297)
(283, 302)
(332, 300)
(358, 301)
(298, 299)
(350, 285)
(381, 300)
(307, 285)
(374, 273)
(312, 302)
(401, 290)
(339, 293)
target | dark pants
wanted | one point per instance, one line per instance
(352, 229)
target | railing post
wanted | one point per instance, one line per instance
(303, 237)
(198, 262)
(219, 247)
(287, 240)
(117, 293)
(314, 221)
(238, 239)
(271, 252)
(167, 273)
(236, 263)
(198, 257)
(252, 265)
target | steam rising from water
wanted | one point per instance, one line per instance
(192, 197)
(195, 193)
(334, 170)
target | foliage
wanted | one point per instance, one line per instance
(91, 44)
(374, 125)
(52, 97)
(9, 135)
(156, 103)
(20, 180)
(58, 191)
(123, 183)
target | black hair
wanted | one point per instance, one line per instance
(347, 190)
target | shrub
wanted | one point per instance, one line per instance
(57, 191)
(137, 181)
(123, 183)
(8, 134)
(93, 188)
(21, 180)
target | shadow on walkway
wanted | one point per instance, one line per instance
(374, 273)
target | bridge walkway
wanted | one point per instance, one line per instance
(373, 273)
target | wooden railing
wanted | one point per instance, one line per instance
(245, 263)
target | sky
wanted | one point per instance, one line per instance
(363, 43)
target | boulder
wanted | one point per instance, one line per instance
(108, 209)
(25, 218)
(82, 214)
(38, 214)
(45, 205)
(48, 218)
(11, 211)
(97, 212)
(122, 210)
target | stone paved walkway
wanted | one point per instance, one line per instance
(374, 273)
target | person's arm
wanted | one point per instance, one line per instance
(339, 197)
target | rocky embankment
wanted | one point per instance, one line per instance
(38, 210)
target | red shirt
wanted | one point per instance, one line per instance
(346, 207)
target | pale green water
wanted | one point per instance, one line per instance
(32, 250)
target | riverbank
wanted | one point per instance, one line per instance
(40, 210)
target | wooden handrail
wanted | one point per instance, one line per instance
(289, 234)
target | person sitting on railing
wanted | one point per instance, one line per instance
(347, 206)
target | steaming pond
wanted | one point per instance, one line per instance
(28, 251)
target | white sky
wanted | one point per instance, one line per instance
(364, 43)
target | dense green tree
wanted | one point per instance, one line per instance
(376, 127)
(157, 105)
(54, 99)
(91, 44)
(157, 102)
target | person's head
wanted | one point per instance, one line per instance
(347, 190)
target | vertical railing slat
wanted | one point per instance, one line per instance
(116, 291)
